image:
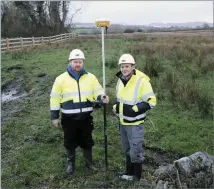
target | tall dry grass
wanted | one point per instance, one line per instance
(175, 65)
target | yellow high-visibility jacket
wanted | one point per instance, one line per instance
(74, 97)
(134, 98)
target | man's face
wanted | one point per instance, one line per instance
(126, 69)
(77, 64)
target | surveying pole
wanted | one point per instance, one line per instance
(103, 24)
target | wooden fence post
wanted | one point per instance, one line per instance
(50, 39)
(61, 38)
(21, 42)
(7, 42)
(33, 41)
(42, 40)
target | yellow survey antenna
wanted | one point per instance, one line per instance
(103, 24)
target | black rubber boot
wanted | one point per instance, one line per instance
(71, 161)
(87, 153)
(129, 167)
(137, 171)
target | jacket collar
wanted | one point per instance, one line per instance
(74, 75)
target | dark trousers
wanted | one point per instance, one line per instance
(78, 133)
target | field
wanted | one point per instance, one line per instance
(122, 31)
(181, 71)
(83, 31)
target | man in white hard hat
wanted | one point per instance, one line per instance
(74, 92)
(135, 96)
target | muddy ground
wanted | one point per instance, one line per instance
(13, 94)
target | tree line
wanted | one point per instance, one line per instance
(34, 18)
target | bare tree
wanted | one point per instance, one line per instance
(35, 18)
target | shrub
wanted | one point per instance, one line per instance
(143, 48)
(182, 91)
(129, 30)
(205, 106)
(111, 62)
(153, 66)
(207, 64)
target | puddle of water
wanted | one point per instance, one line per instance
(11, 95)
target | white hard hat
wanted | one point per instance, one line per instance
(126, 59)
(76, 54)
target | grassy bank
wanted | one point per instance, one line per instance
(181, 71)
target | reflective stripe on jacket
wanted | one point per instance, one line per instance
(138, 91)
(74, 97)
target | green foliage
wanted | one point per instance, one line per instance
(208, 64)
(128, 30)
(153, 67)
(111, 62)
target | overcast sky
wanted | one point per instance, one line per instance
(144, 12)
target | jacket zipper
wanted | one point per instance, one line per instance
(79, 94)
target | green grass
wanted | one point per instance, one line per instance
(33, 155)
